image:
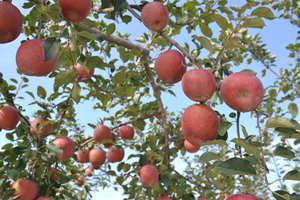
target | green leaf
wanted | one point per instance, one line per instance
(293, 175)
(126, 167)
(293, 108)
(263, 12)
(278, 122)
(110, 29)
(284, 152)
(143, 160)
(63, 78)
(13, 174)
(51, 47)
(224, 126)
(105, 3)
(232, 43)
(76, 92)
(281, 193)
(254, 22)
(119, 78)
(41, 92)
(206, 30)
(236, 166)
(244, 131)
(221, 21)
(90, 36)
(208, 156)
(165, 180)
(20, 150)
(249, 148)
(54, 150)
(204, 42)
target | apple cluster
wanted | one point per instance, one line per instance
(241, 91)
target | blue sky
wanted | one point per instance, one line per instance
(277, 34)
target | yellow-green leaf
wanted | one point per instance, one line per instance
(254, 22)
(221, 21)
(293, 108)
(263, 12)
(204, 42)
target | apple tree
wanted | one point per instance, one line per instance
(118, 63)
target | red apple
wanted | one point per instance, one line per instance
(83, 156)
(75, 10)
(89, 171)
(190, 147)
(67, 145)
(155, 16)
(112, 138)
(97, 157)
(30, 56)
(170, 66)
(242, 91)
(22, 187)
(9, 116)
(80, 181)
(82, 73)
(44, 198)
(96, 166)
(40, 131)
(198, 84)
(199, 124)
(101, 133)
(243, 197)
(53, 173)
(164, 198)
(115, 154)
(149, 175)
(126, 132)
(10, 22)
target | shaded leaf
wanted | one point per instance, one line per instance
(278, 122)
(76, 92)
(51, 47)
(249, 148)
(263, 12)
(231, 43)
(284, 152)
(204, 42)
(293, 108)
(293, 175)
(224, 126)
(54, 150)
(166, 180)
(281, 193)
(208, 156)
(236, 166)
(41, 92)
(254, 22)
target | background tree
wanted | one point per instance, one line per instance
(106, 64)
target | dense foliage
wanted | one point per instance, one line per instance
(212, 34)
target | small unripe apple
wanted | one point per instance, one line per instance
(83, 156)
(242, 91)
(198, 84)
(9, 118)
(199, 124)
(30, 57)
(115, 154)
(37, 131)
(170, 66)
(80, 181)
(75, 10)
(155, 16)
(149, 175)
(126, 132)
(82, 73)
(67, 145)
(10, 22)
(26, 189)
